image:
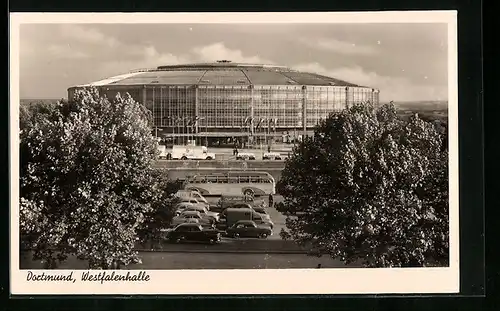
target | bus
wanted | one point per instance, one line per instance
(248, 183)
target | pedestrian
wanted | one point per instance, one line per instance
(236, 151)
(269, 148)
(271, 200)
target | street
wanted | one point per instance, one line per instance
(175, 261)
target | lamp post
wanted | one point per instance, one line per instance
(178, 121)
(185, 130)
(188, 130)
(181, 129)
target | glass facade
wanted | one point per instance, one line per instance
(223, 107)
(231, 108)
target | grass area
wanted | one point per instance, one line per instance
(164, 261)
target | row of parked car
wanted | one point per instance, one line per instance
(232, 216)
(265, 156)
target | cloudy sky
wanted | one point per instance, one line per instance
(406, 62)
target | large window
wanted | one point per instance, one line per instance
(171, 106)
(225, 107)
(278, 106)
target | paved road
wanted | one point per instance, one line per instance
(162, 261)
(229, 245)
(229, 163)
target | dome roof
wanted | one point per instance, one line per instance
(221, 73)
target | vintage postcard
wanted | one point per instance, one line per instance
(234, 153)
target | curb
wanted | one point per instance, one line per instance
(222, 251)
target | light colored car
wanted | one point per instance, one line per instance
(190, 217)
(191, 194)
(194, 201)
(186, 152)
(272, 156)
(204, 212)
(245, 156)
(180, 207)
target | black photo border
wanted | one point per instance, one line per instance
(471, 147)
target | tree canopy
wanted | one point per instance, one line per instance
(86, 178)
(370, 188)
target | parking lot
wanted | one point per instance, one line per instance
(229, 253)
(277, 218)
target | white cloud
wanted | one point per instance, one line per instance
(87, 35)
(149, 56)
(391, 88)
(338, 46)
(218, 51)
(139, 57)
(66, 51)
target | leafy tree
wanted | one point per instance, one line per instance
(162, 208)
(86, 179)
(370, 188)
(30, 112)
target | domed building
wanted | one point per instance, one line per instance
(252, 103)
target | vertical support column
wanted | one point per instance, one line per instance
(251, 109)
(144, 95)
(196, 108)
(162, 123)
(154, 109)
(304, 110)
(346, 97)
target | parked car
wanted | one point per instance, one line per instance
(183, 152)
(249, 229)
(205, 213)
(192, 200)
(245, 156)
(193, 232)
(180, 207)
(191, 217)
(232, 215)
(226, 201)
(185, 195)
(272, 156)
(259, 209)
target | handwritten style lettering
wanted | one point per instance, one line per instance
(49, 277)
(113, 276)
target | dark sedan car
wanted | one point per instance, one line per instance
(194, 232)
(249, 229)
